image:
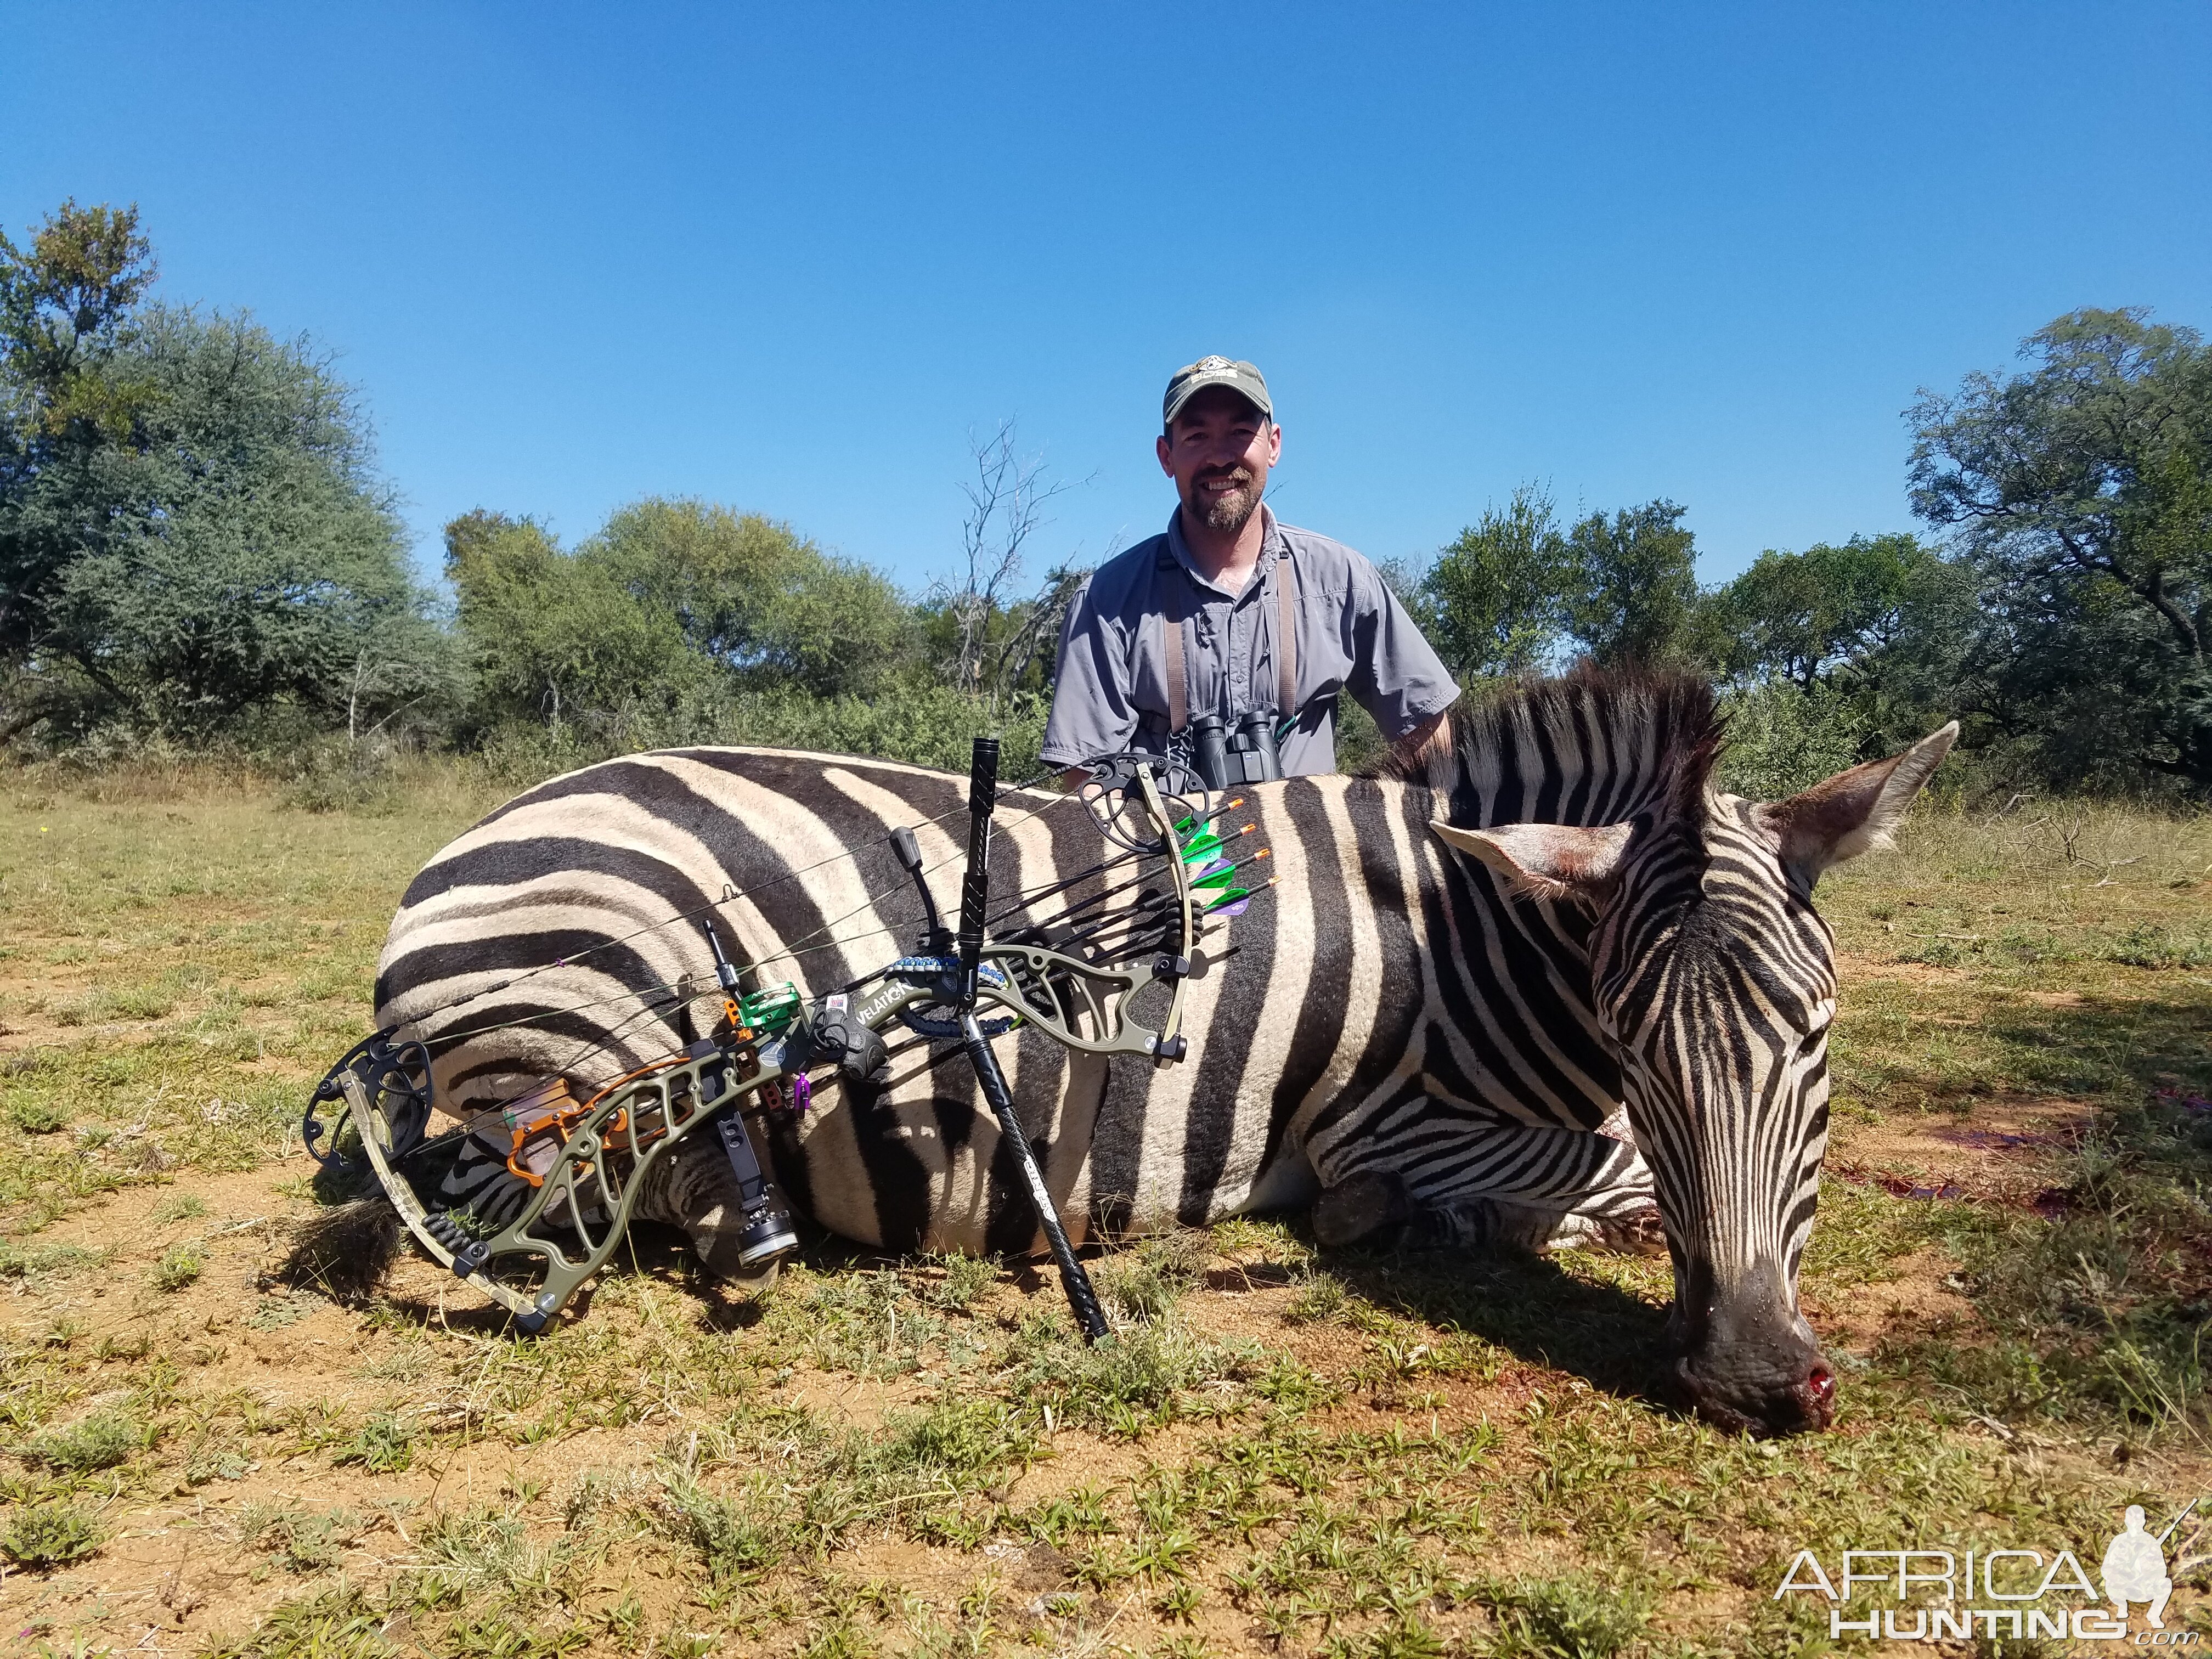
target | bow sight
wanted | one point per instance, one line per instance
(577, 1168)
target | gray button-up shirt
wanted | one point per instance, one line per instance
(1353, 635)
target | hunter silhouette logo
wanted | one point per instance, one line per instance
(1938, 1595)
(2135, 1568)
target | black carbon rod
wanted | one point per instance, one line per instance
(974, 899)
(1082, 1297)
(975, 885)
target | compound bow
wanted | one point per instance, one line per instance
(582, 1165)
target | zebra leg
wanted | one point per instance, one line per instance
(1490, 1183)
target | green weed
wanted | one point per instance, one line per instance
(303, 1540)
(1571, 1617)
(963, 1281)
(180, 1265)
(37, 1117)
(1321, 1298)
(1143, 1283)
(37, 1260)
(382, 1447)
(1142, 1378)
(478, 1549)
(51, 1535)
(337, 1624)
(97, 1442)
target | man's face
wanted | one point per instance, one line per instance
(1218, 451)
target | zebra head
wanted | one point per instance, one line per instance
(1713, 979)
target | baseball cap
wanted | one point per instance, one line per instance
(1241, 377)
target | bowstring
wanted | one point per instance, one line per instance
(732, 897)
(798, 948)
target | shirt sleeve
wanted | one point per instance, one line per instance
(1396, 674)
(1092, 712)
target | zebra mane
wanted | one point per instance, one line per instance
(1590, 746)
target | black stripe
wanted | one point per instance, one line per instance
(506, 864)
(500, 952)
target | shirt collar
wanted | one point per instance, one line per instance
(1271, 543)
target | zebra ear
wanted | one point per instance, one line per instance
(1854, 810)
(1545, 861)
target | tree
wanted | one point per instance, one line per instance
(192, 533)
(1633, 594)
(1804, 616)
(752, 595)
(65, 317)
(2081, 491)
(1496, 601)
(559, 637)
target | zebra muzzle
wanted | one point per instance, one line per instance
(1761, 1394)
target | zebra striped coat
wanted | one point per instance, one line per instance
(1409, 1023)
(1385, 1005)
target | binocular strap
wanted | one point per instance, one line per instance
(1286, 650)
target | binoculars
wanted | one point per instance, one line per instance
(1226, 758)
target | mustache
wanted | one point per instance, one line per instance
(1227, 474)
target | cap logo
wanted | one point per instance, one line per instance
(1208, 365)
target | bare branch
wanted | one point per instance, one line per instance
(1006, 501)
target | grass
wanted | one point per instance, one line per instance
(1280, 1450)
(180, 1265)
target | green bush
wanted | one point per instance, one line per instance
(51, 1535)
(97, 1442)
(1783, 738)
(920, 725)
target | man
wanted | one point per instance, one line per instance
(1229, 612)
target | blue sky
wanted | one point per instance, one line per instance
(788, 257)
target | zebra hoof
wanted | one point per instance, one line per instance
(1359, 1205)
(1639, 1232)
(753, 1281)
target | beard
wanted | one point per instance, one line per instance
(1228, 513)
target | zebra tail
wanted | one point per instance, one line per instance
(344, 1251)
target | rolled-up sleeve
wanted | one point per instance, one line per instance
(1397, 675)
(1092, 712)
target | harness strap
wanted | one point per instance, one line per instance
(1178, 682)
(1178, 677)
(1286, 646)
